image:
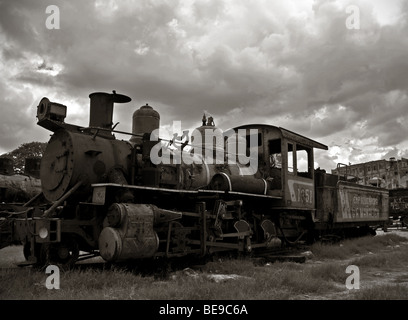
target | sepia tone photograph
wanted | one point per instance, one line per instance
(203, 157)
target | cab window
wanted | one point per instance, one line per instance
(275, 153)
(304, 161)
(300, 160)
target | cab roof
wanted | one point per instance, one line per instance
(287, 134)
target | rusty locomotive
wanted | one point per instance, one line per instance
(19, 187)
(109, 197)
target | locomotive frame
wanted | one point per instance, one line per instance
(106, 197)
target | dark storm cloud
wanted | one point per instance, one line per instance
(291, 64)
(17, 122)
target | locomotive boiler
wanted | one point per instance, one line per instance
(250, 189)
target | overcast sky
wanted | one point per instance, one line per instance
(334, 71)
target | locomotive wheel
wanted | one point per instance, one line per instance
(38, 253)
(63, 254)
(27, 250)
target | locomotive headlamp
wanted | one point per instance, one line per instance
(47, 109)
(43, 233)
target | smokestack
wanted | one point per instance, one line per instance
(101, 109)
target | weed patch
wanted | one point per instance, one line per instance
(351, 247)
(243, 279)
(382, 292)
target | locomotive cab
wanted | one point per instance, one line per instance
(286, 162)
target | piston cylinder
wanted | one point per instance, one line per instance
(129, 234)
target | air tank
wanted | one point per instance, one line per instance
(145, 120)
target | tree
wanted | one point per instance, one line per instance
(26, 150)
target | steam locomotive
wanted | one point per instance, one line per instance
(249, 189)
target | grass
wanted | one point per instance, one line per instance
(383, 292)
(277, 281)
(376, 255)
(324, 274)
(351, 247)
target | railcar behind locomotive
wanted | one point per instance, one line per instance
(113, 198)
(399, 205)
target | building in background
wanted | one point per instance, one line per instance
(389, 174)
